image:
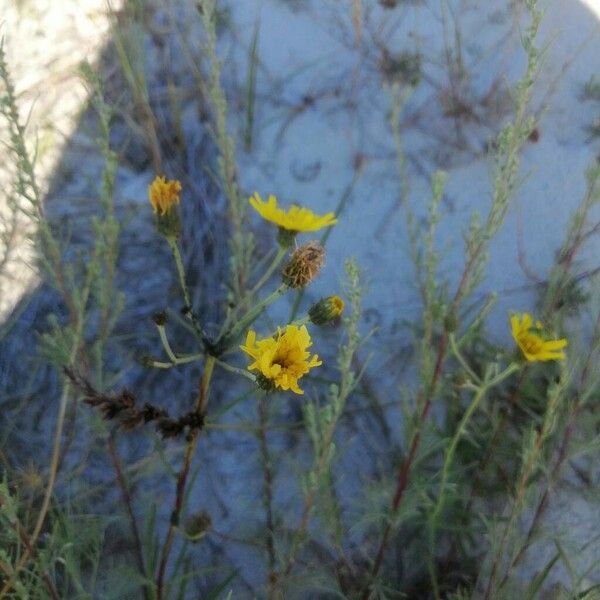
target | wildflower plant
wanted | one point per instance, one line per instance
(470, 444)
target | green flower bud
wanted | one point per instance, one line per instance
(326, 310)
(197, 525)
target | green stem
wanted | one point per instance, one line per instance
(262, 426)
(186, 294)
(235, 370)
(482, 390)
(165, 342)
(179, 360)
(460, 358)
(180, 272)
(175, 360)
(249, 318)
(281, 252)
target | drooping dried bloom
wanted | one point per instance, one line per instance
(296, 218)
(326, 310)
(164, 194)
(529, 339)
(282, 359)
(304, 265)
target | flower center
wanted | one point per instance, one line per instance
(283, 360)
(531, 343)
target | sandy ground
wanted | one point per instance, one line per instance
(45, 42)
(321, 111)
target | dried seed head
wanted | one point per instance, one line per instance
(304, 265)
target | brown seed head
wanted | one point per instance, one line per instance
(304, 265)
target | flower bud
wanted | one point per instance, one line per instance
(304, 265)
(326, 310)
(146, 361)
(197, 525)
(160, 318)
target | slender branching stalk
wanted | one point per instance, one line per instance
(510, 142)
(182, 477)
(267, 466)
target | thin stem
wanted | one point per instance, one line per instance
(26, 542)
(249, 318)
(463, 363)
(281, 252)
(433, 519)
(521, 489)
(175, 360)
(182, 478)
(127, 501)
(54, 462)
(185, 291)
(165, 342)
(180, 272)
(407, 463)
(481, 391)
(232, 369)
(263, 419)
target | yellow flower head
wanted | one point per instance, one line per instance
(530, 341)
(163, 194)
(282, 359)
(296, 218)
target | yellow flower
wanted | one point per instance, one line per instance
(532, 344)
(163, 194)
(282, 359)
(294, 219)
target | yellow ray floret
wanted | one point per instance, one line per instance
(530, 341)
(283, 358)
(295, 218)
(163, 194)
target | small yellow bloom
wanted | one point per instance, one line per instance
(296, 218)
(163, 194)
(532, 344)
(282, 359)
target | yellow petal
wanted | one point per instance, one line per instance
(555, 344)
